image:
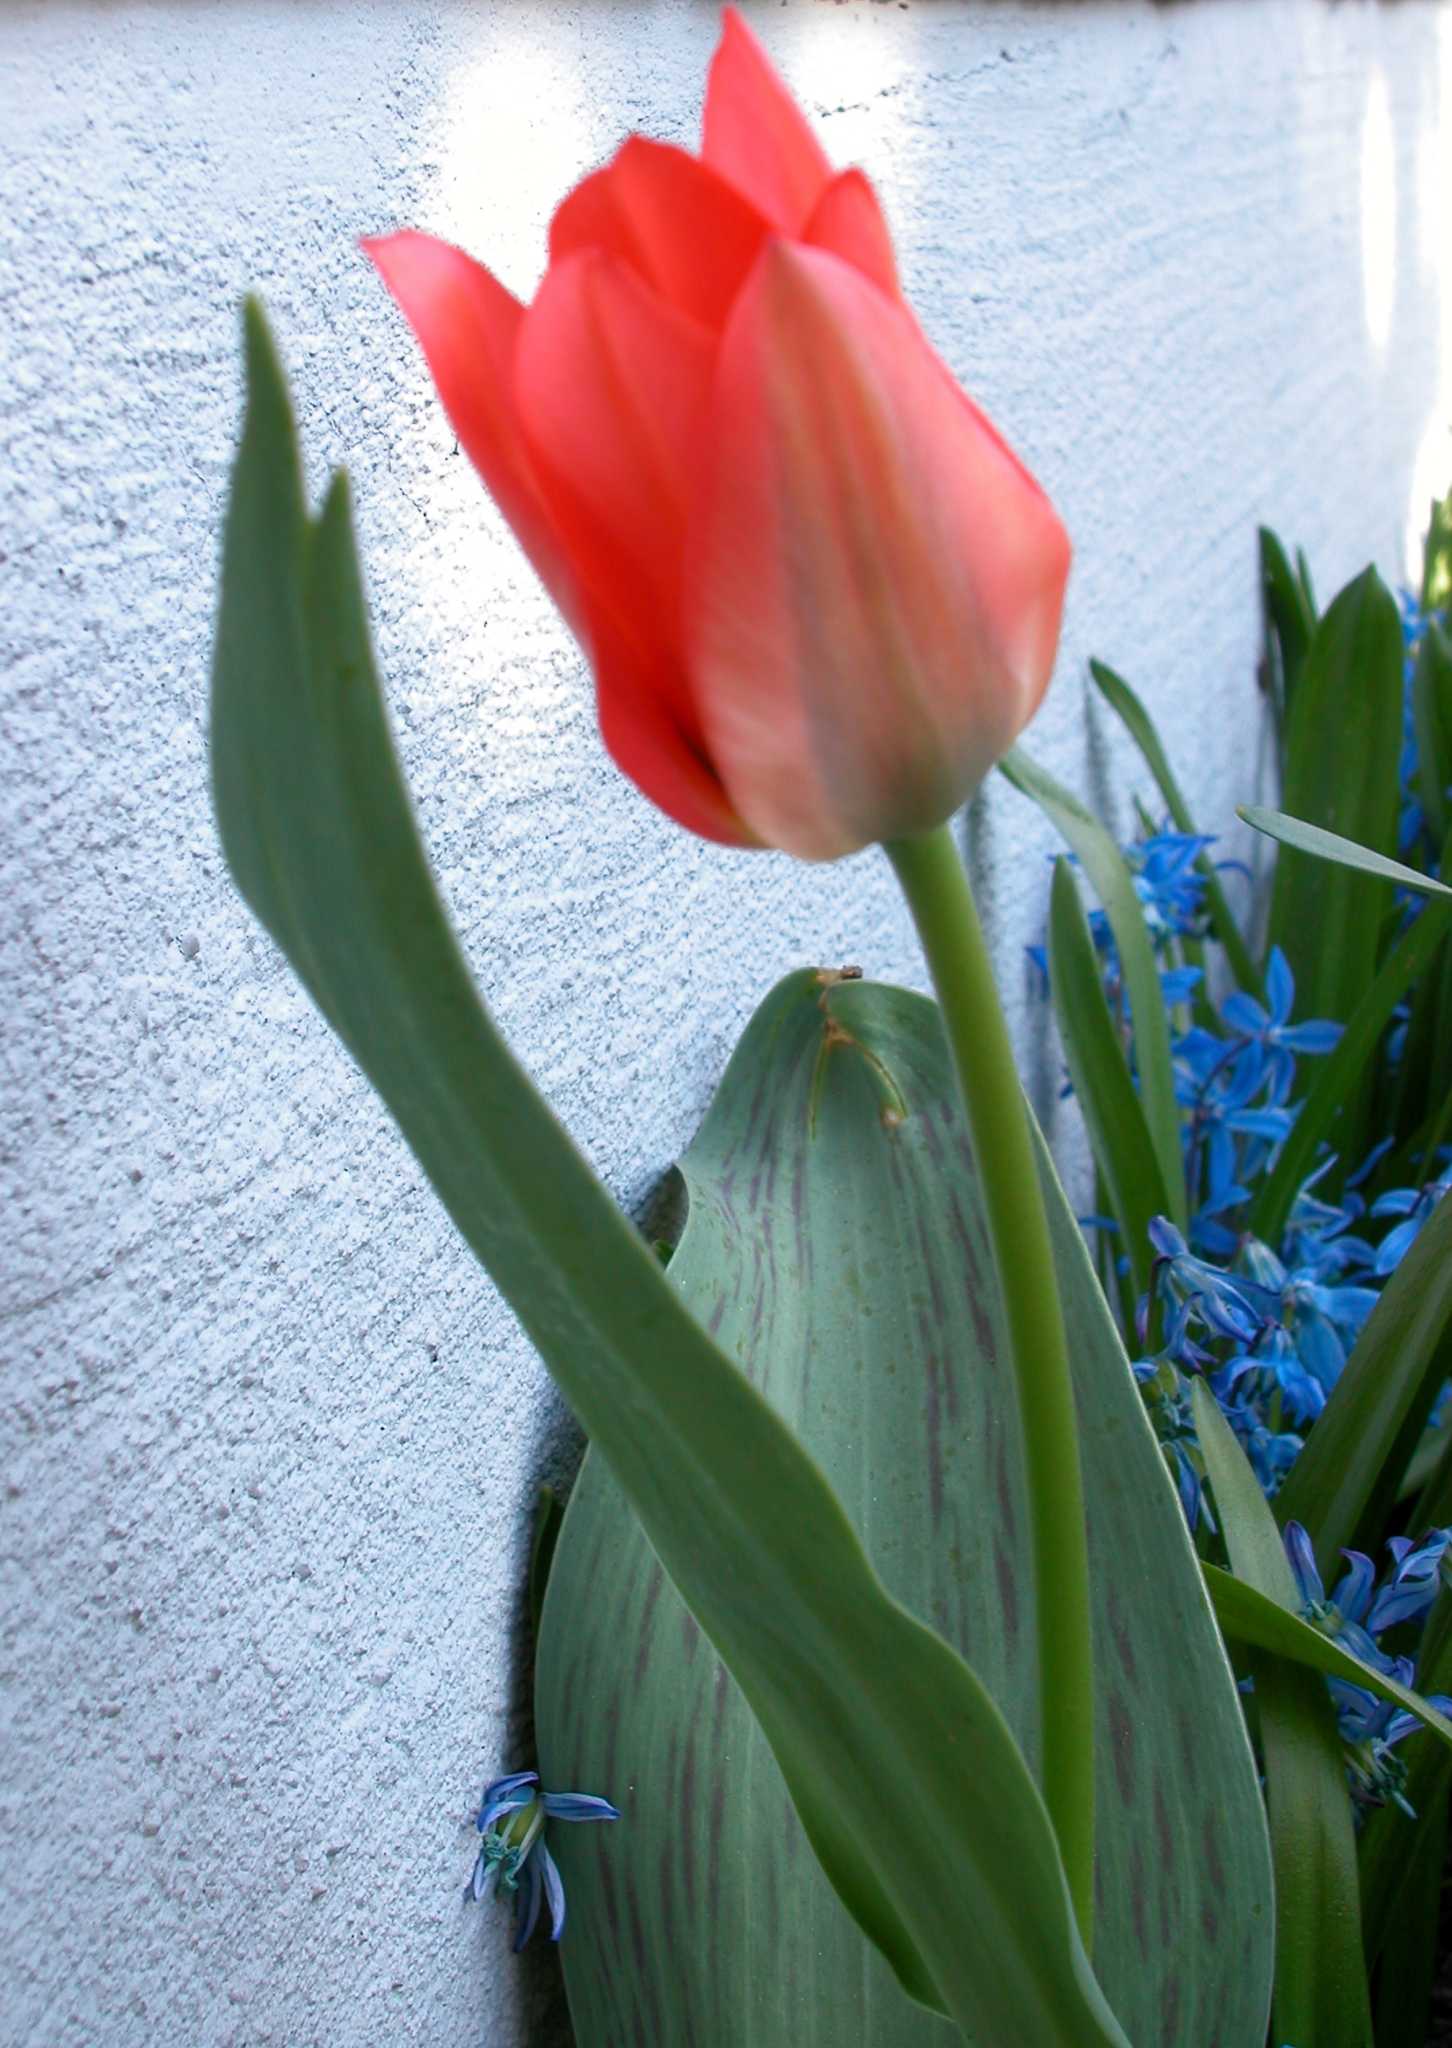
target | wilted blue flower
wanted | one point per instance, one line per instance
(513, 1856)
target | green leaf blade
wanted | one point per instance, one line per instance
(1098, 1069)
(1321, 1993)
(1141, 728)
(317, 829)
(1304, 837)
(843, 1254)
(1348, 1466)
(1343, 749)
(1113, 883)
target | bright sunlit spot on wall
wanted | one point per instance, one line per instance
(512, 132)
(1432, 473)
(1378, 211)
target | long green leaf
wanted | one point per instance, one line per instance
(1340, 852)
(1288, 622)
(836, 1238)
(965, 1891)
(1437, 556)
(1389, 1840)
(1262, 1622)
(1113, 883)
(1347, 1468)
(1318, 1121)
(1432, 718)
(1343, 749)
(1410, 1955)
(1100, 1074)
(1141, 727)
(1321, 1997)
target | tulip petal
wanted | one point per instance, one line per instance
(754, 133)
(468, 326)
(637, 701)
(847, 219)
(611, 385)
(691, 236)
(874, 582)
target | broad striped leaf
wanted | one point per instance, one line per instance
(835, 1240)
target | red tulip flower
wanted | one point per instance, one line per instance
(819, 593)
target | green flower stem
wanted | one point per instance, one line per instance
(937, 891)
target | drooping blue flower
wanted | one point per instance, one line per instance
(1355, 1616)
(1197, 1297)
(513, 1856)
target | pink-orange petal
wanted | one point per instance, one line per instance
(611, 385)
(874, 587)
(468, 326)
(636, 697)
(847, 220)
(754, 133)
(689, 234)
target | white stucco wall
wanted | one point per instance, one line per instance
(269, 1440)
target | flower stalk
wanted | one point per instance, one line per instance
(933, 880)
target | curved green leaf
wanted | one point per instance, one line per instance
(1339, 1073)
(1345, 853)
(964, 1891)
(1141, 728)
(1348, 1466)
(1432, 717)
(1389, 1838)
(1260, 1621)
(1343, 750)
(1437, 556)
(1113, 883)
(836, 1239)
(1112, 1112)
(1288, 620)
(1321, 1995)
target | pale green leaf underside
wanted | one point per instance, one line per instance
(835, 1241)
(965, 1890)
(1345, 853)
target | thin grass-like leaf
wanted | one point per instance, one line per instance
(1113, 883)
(1321, 1996)
(1118, 1133)
(1348, 1472)
(1141, 727)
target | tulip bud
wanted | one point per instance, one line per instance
(819, 593)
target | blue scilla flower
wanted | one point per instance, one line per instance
(1323, 1322)
(1228, 1126)
(1371, 1727)
(1168, 883)
(1197, 1298)
(1414, 1206)
(1166, 1394)
(1272, 1365)
(513, 1856)
(1319, 1239)
(1268, 1026)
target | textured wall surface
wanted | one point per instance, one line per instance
(269, 1439)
